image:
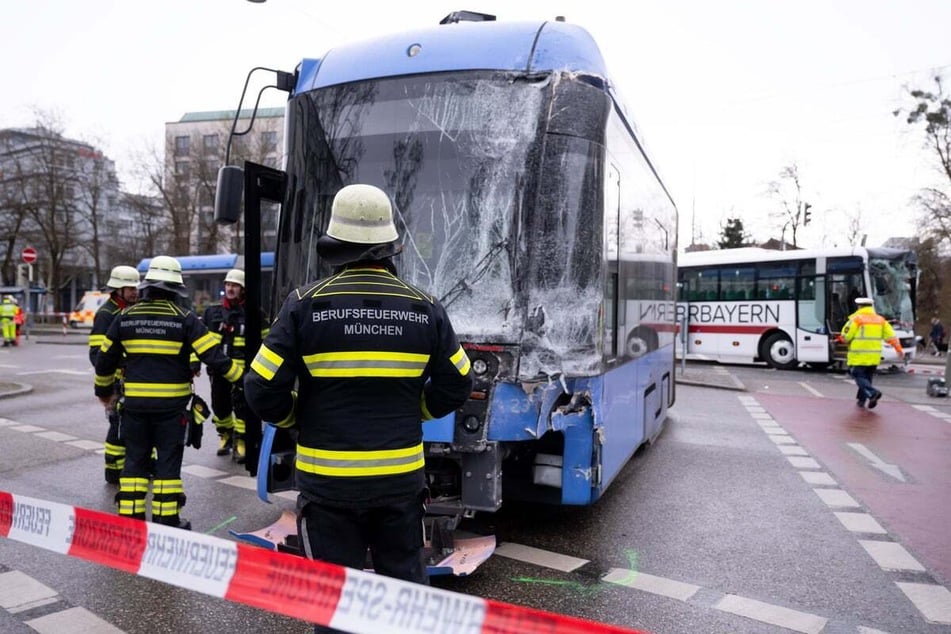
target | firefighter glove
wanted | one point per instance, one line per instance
(195, 416)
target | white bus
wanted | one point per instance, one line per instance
(785, 308)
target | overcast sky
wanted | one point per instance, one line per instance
(725, 93)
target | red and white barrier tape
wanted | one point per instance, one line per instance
(343, 598)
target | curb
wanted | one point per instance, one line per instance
(21, 388)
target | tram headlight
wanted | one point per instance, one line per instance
(479, 366)
(471, 423)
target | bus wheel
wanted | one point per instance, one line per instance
(779, 353)
(640, 341)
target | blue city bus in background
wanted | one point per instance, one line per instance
(528, 205)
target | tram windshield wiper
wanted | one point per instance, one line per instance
(465, 284)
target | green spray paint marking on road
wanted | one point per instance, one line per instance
(589, 590)
(222, 525)
(573, 585)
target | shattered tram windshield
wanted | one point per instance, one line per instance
(892, 281)
(459, 153)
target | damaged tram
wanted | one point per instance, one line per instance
(528, 206)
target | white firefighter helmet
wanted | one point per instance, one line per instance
(165, 272)
(235, 276)
(362, 214)
(122, 276)
(361, 227)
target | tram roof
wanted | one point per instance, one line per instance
(489, 45)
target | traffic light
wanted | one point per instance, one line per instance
(806, 214)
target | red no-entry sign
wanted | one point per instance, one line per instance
(29, 255)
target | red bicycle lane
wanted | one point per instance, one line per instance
(916, 512)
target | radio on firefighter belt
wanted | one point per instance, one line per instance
(194, 416)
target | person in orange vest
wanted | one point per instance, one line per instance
(19, 318)
(864, 332)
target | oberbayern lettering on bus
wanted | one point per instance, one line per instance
(734, 313)
(190, 557)
(32, 519)
(106, 537)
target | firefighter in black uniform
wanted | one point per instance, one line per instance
(156, 336)
(371, 357)
(226, 322)
(124, 282)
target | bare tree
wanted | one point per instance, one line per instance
(97, 182)
(932, 111)
(787, 190)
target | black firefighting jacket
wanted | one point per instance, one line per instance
(100, 325)
(157, 337)
(226, 323)
(372, 357)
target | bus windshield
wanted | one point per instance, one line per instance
(460, 155)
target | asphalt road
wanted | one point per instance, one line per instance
(754, 511)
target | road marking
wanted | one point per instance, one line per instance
(891, 555)
(540, 557)
(933, 601)
(792, 450)
(811, 389)
(55, 436)
(836, 497)
(803, 463)
(20, 593)
(860, 523)
(70, 372)
(72, 620)
(772, 614)
(649, 583)
(886, 468)
(818, 478)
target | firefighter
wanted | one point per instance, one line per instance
(156, 337)
(8, 311)
(864, 332)
(123, 282)
(226, 322)
(371, 357)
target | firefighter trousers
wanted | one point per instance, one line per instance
(142, 431)
(392, 532)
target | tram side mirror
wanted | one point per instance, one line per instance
(228, 194)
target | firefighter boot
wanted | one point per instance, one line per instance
(225, 429)
(240, 450)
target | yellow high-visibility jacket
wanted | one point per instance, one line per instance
(864, 332)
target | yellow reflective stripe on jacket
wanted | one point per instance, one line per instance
(238, 342)
(106, 343)
(366, 363)
(105, 381)
(234, 372)
(152, 346)
(216, 335)
(461, 360)
(266, 362)
(359, 463)
(157, 390)
(204, 343)
(95, 341)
